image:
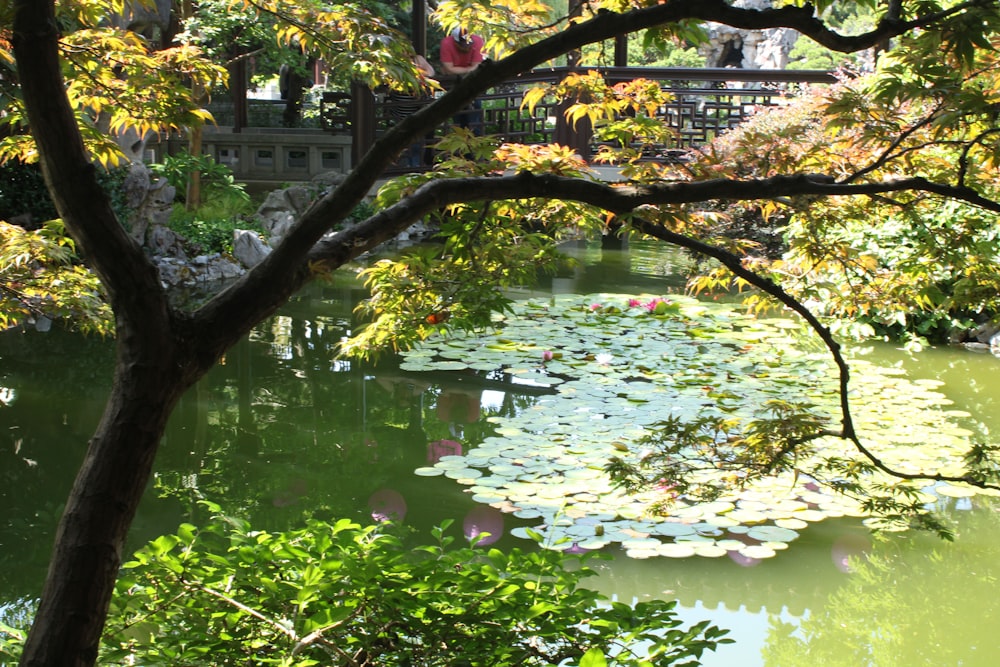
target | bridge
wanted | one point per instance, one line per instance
(339, 127)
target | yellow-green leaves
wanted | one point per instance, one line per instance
(504, 25)
(41, 278)
(624, 116)
(117, 85)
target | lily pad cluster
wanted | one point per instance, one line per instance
(617, 365)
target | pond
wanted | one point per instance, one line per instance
(282, 429)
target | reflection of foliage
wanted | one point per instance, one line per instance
(278, 412)
(907, 605)
(52, 389)
(734, 450)
(347, 594)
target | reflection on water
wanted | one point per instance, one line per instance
(283, 429)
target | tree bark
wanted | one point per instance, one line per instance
(94, 525)
(152, 368)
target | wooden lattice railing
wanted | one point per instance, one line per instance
(704, 103)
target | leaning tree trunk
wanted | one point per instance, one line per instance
(94, 525)
(154, 365)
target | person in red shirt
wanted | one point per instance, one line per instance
(461, 53)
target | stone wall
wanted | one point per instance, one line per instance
(748, 49)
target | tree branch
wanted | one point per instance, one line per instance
(285, 270)
(615, 198)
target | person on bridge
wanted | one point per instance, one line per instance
(403, 104)
(461, 53)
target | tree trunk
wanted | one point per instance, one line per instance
(157, 359)
(94, 525)
(192, 198)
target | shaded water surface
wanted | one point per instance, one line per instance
(282, 429)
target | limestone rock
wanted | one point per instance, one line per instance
(281, 209)
(248, 248)
(329, 179)
(149, 202)
(748, 49)
(164, 242)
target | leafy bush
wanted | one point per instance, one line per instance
(22, 190)
(41, 277)
(217, 180)
(210, 227)
(225, 203)
(907, 266)
(344, 594)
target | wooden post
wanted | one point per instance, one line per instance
(362, 121)
(418, 25)
(238, 86)
(573, 135)
(621, 50)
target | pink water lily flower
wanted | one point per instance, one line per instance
(657, 305)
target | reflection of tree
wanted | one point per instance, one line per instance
(915, 602)
(53, 389)
(283, 427)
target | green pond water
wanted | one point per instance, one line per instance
(282, 429)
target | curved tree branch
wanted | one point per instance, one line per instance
(627, 199)
(284, 270)
(612, 197)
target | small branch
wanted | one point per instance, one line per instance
(735, 265)
(963, 159)
(248, 610)
(887, 154)
(243, 56)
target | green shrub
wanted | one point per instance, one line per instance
(22, 190)
(209, 228)
(217, 180)
(344, 594)
(901, 266)
(225, 203)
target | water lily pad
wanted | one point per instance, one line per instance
(488, 498)
(593, 544)
(463, 473)
(759, 552)
(772, 534)
(428, 471)
(625, 370)
(709, 550)
(677, 550)
(524, 532)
